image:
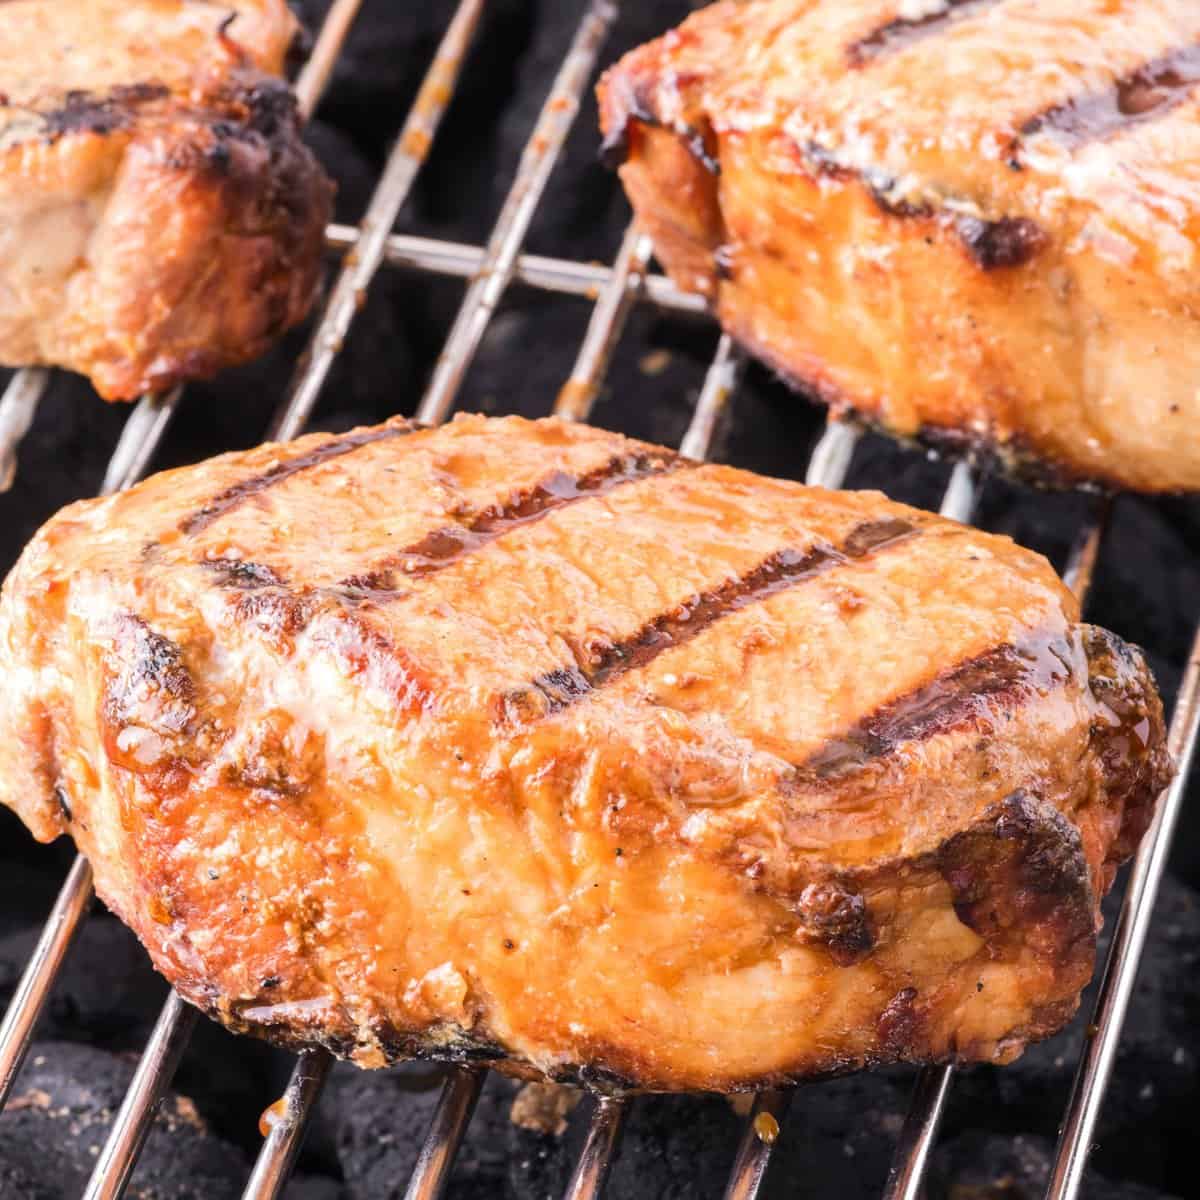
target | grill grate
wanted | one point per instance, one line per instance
(614, 291)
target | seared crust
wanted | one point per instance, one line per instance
(973, 226)
(525, 743)
(164, 226)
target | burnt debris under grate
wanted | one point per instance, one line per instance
(996, 1137)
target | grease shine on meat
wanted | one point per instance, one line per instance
(159, 216)
(973, 222)
(524, 742)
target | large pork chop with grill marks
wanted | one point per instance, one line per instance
(527, 743)
(971, 222)
(159, 216)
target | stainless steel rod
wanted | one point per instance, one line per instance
(286, 1135)
(961, 495)
(360, 264)
(599, 1150)
(17, 409)
(904, 1181)
(136, 1114)
(537, 161)
(140, 438)
(613, 306)
(28, 1001)
(830, 460)
(455, 1105)
(720, 382)
(315, 75)
(564, 276)
(758, 1141)
(1081, 562)
(1129, 939)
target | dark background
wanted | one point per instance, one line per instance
(1000, 1123)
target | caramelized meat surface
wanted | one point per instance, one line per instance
(527, 743)
(159, 216)
(971, 222)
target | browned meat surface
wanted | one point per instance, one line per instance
(973, 222)
(159, 216)
(525, 742)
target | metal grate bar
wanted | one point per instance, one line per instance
(74, 899)
(362, 261)
(17, 410)
(1081, 562)
(459, 260)
(1129, 939)
(537, 161)
(140, 438)
(612, 309)
(961, 495)
(719, 386)
(918, 1134)
(599, 1150)
(455, 1105)
(831, 456)
(314, 77)
(758, 1140)
(278, 1155)
(136, 1114)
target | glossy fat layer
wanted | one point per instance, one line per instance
(973, 223)
(159, 216)
(526, 742)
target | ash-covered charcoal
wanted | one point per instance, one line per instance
(988, 1167)
(106, 994)
(1146, 1122)
(59, 1116)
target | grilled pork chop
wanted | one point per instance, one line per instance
(972, 222)
(525, 742)
(159, 216)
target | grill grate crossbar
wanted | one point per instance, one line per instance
(615, 290)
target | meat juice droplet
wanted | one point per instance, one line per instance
(272, 1115)
(766, 1127)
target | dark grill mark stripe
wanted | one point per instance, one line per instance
(1146, 94)
(904, 31)
(1002, 242)
(961, 694)
(785, 569)
(445, 546)
(238, 493)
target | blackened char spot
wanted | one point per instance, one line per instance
(903, 31)
(782, 570)
(89, 112)
(1020, 879)
(899, 1025)
(447, 544)
(837, 917)
(1008, 242)
(633, 104)
(1146, 94)
(238, 573)
(238, 493)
